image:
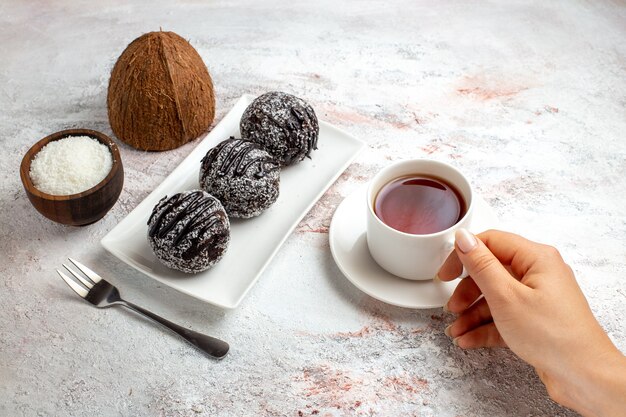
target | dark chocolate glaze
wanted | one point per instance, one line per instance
(242, 175)
(236, 156)
(189, 231)
(284, 125)
(197, 204)
(299, 117)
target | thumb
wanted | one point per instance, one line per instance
(492, 278)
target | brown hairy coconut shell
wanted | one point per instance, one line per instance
(160, 93)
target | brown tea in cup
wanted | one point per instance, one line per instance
(419, 204)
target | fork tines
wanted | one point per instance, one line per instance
(90, 274)
(87, 284)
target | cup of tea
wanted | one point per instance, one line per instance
(414, 207)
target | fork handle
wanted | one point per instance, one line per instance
(210, 345)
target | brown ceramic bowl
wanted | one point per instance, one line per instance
(76, 209)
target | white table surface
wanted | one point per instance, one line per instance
(527, 97)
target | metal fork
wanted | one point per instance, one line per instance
(101, 294)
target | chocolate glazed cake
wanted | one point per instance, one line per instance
(284, 125)
(189, 231)
(242, 175)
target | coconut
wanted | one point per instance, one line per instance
(160, 93)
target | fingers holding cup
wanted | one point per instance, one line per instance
(486, 335)
(464, 295)
(472, 318)
(451, 269)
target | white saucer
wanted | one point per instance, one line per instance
(349, 248)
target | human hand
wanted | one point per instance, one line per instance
(533, 305)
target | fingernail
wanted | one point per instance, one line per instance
(465, 240)
(445, 308)
(447, 331)
(455, 341)
(437, 279)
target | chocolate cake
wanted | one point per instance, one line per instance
(242, 175)
(284, 125)
(189, 231)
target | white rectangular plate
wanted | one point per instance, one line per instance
(254, 242)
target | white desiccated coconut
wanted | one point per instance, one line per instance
(70, 165)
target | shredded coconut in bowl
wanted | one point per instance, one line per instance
(70, 165)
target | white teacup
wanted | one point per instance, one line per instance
(414, 256)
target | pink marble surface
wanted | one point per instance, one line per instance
(528, 98)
